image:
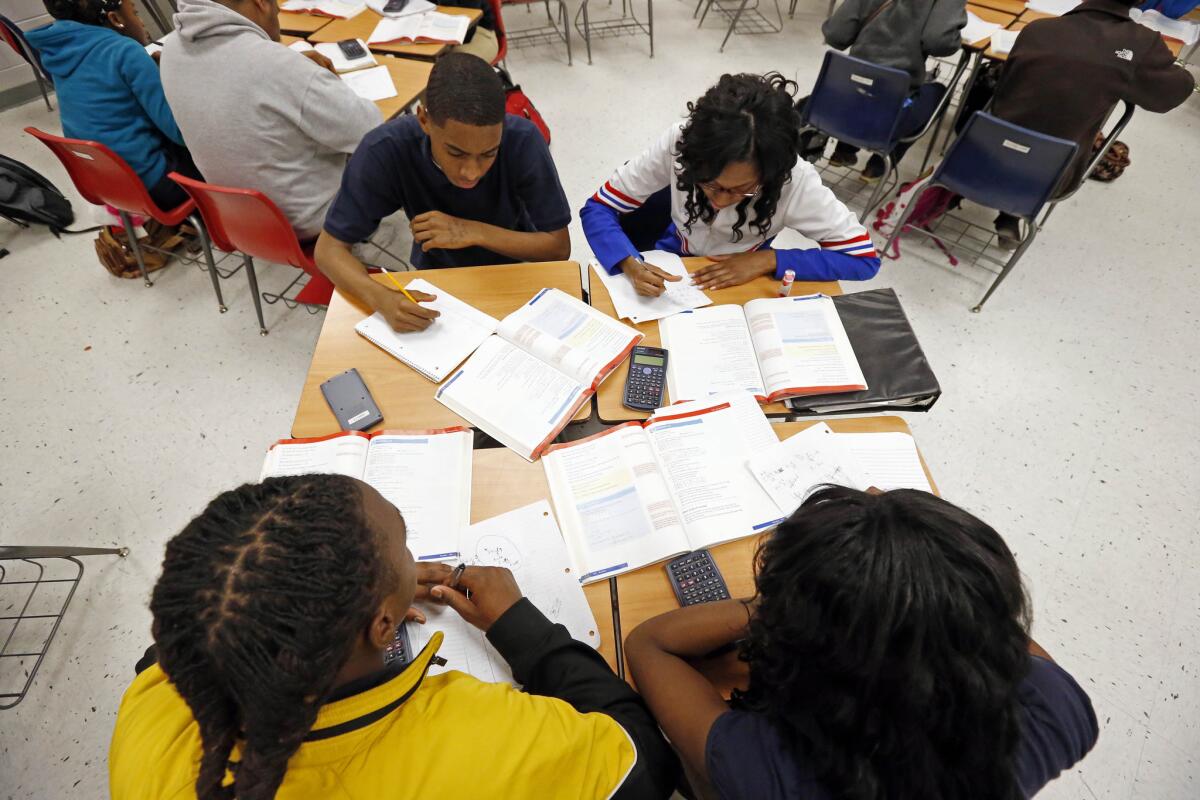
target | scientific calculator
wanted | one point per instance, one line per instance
(647, 378)
(400, 648)
(696, 579)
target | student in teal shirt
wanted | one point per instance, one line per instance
(109, 90)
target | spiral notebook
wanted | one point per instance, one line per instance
(437, 350)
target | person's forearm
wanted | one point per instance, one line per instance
(602, 228)
(523, 246)
(814, 264)
(693, 631)
(347, 273)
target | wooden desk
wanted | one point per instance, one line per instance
(405, 397)
(410, 76)
(361, 27)
(1029, 15)
(646, 592)
(611, 391)
(301, 22)
(1013, 7)
(503, 481)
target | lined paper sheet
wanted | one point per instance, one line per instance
(372, 84)
(976, 30)
(680, 295)
(887, 460)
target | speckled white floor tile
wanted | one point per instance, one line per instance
(1068, 420)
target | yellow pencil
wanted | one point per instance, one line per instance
(403, 291)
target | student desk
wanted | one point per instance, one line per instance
(502, 481)
(612, 390)
(410, 77)
(646, 592)
(404, 396)
(1013, 7)
(1001, 18)
(301, 22)
(363, 25)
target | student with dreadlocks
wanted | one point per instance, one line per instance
(270, 619)
(109, 89)
(723, 184)
(889, 657)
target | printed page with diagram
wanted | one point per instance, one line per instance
(702, 448)
(614, 506)
(569, 335)
(526, 541)
(515, 397)
(341, 453)
(427, 476)
(801, 347)
(710, 351)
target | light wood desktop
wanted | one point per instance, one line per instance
(301, 22)
(409, 76)
(608, 399)
(1013, 7)
(502, 481)
(405, 398)
(363, 25)
(647, 592)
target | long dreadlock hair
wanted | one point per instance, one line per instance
(888, 644)
(744, 117)
(259, 603)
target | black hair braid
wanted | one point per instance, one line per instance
(743, 117)
(888, 645)
(259, 603)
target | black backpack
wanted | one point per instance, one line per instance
(25, 196)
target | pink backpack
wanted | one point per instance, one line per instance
(932, 204)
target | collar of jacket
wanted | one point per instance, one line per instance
(1114, 7)
(360, 710)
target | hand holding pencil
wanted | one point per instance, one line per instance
(402, 309)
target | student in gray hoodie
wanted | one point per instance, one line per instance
(901, 34)
(257, 115)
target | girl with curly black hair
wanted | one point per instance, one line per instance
(889, 657)
(723, 184)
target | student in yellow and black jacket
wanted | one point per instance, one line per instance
(270, 620)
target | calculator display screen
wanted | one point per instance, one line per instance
(654, 361)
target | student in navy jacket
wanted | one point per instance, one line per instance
(109, 90)
(723, 184)
(889, 656)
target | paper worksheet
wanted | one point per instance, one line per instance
(528, 542)
(372, 84)
(326, 8)
(976, 29)
(1180, 29)
(410, 8)
(679, 296)
(1055, 7)
(1003, 41)
(887, 460)
(790, 469)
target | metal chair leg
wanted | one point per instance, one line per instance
(1049, 210)
(131, 237)
(587, 31)
(253, 280)
(877, 192)
(733, 25)
(566, 23)
(697, 11)
(829, 13)
(41, 82)
(206, 246)
(650, 22)
(1008, 266)
(703, 16)
(962, 103)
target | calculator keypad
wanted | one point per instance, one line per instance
(397, 649)
(696, 579)
(644, 386)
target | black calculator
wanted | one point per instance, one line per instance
(647, 378)
(400, 648)
(696, 579)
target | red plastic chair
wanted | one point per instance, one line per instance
(247, 221)
(501, 35)
(103, 178)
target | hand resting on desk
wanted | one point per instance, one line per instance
(493, 591)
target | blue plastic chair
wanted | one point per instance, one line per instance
(860, 103)
(1001, 166)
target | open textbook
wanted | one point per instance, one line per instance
(424, 474)
(790, 469)
(774, 348)
(432, 26)
(526, 541)
(441, 347)
(639, 493)
(679, 296)
(524, 384)
(326, 8)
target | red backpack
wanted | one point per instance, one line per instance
(518, 104)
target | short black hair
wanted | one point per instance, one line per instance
(464, 88)
(89, 12)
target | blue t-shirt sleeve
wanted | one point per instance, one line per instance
(1058, 725)
(368, 193)
(537, 185)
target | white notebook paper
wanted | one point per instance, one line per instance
(326, 8)
(372, 84)
(976, 29)
(433, 26)
(437, 350)
(679, 296)
(528, 542)
(424, 474)
(410, 8)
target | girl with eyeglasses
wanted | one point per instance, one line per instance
(723, 184)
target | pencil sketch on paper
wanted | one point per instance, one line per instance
(493, 550)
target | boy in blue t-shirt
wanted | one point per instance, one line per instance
(479, 187)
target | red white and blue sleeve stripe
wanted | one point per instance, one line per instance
(851, 259)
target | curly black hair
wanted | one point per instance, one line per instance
(887, 646)
(260, 600)
(743, 117)
(89, 12)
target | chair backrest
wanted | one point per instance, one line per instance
(1004, 166)
(246, 221)
(15, 38)
(100, 175)
(857, 102)
(501, 33)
